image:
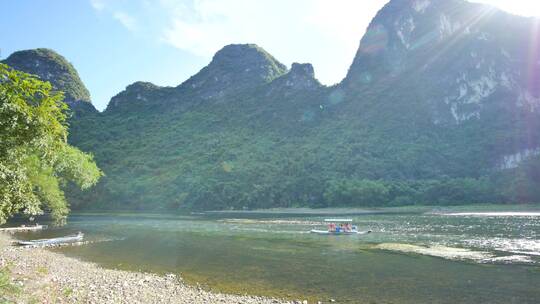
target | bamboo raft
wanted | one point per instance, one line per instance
(60, 241)
(23, 228)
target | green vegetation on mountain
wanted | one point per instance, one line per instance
(35, 160)
(50, 66)
(434, 110)
(221, 156)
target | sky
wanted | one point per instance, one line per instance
(113, 43)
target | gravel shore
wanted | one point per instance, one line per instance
(48, 277)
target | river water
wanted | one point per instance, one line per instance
(411, 257)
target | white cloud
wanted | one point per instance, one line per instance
(98, 5)
(340, 25)
(126, 20)
(116, 10)
(323, 32)
(202, 39)
(208, 25)
(520, 7)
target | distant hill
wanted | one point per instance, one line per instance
(440, 106)
(53, 67)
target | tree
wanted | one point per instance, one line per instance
(357, 193)
(36, 161)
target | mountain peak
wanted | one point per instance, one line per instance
(252, 58)
(300, 79)
(50, 66)
(137, 95)
(407, 33)
(463, 61)
(141, 85)
(301, 76)
(235, 67)
(302, 69)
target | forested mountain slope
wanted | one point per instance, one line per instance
(441, 105)
(53, 67)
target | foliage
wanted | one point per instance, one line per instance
(350, 192)
(7, 288)
(64, 76)
(521, 184)
(289, 144)
(236, 154)
(35, 159)
(246, 133)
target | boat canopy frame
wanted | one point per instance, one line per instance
(338, 220)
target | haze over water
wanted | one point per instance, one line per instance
(434, 257)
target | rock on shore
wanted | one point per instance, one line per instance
(49, 277)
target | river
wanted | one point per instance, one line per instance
(487, 255)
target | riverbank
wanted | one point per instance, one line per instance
(42, 276)
(382, 210)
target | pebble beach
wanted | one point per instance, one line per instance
(43, 276)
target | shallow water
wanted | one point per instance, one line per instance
(467, 257)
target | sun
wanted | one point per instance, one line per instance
(529, 8)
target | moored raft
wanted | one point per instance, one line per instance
(24, 228)
(54, 241)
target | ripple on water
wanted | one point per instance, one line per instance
(276, 222)
(491, 214)
(273, 231)
(440, 251)
(510, 259)
(457, 254)
(520, 246)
